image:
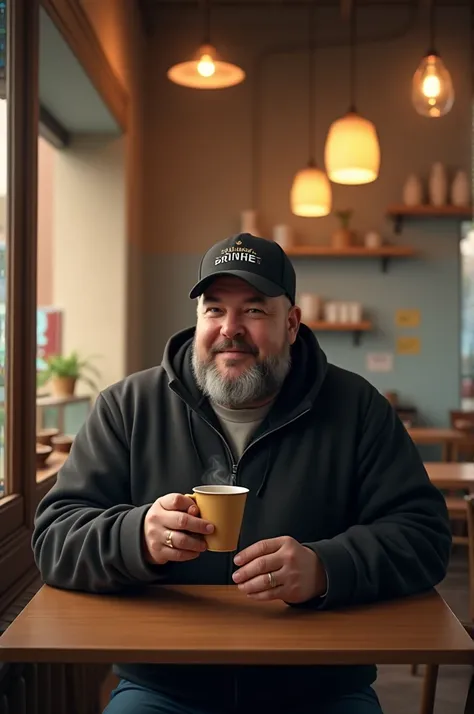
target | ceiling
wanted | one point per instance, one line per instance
(149, 5)
(150, 8)
(66, 92)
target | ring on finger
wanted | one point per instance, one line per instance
(169, 539)
(271, 580)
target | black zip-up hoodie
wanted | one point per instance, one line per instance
(331, 465)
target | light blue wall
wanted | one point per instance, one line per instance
(430, 380)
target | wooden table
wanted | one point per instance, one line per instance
(451, 476)
(448, 439)
(218, 625)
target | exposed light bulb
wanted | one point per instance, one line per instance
(206, 71)
(206, 66)
(432, 87)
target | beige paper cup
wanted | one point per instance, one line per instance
(223, 506)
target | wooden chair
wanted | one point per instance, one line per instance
(463, 421)
(431, 671)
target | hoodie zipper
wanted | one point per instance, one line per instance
(234, 465)
(234, 468)
(263, 436)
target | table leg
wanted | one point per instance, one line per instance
(445, 451)
(469, 708)
(429, 689)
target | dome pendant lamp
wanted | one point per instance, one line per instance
(352, 151)
(206, 70)
(311, 191)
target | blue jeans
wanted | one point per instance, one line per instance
(130, 698)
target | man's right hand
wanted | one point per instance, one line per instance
(173, 530)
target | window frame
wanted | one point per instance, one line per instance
(26, 120)
(18, 506)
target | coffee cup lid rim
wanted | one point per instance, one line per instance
(205, 489)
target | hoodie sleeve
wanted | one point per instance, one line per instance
(87, 535)
(401, 542)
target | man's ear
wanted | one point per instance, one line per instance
(294, 321)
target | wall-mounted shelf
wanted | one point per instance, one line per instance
(357, 328)
(399, 213)
(385, 253)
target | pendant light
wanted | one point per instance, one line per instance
(352, 151)
(206, 70)
(311, 191)
(432, 90)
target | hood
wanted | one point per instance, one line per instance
(300, 389)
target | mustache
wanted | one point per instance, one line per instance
(240, 345)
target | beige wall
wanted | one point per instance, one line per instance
(89, 256)
(200, 161)
(46, 154)
(118, 27)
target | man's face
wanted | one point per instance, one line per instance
(242, 343)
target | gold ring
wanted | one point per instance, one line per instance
(169, 539)
(271, 580)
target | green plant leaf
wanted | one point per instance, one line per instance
(67, 366)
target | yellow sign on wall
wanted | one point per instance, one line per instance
(408, 345)
(407, 318)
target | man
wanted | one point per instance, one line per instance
(340, 509)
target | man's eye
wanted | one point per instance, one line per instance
(213, 310)
(254, 311)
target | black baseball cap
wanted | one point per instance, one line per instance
(258, 261)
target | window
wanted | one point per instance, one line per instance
(467, 317)
(18, 185)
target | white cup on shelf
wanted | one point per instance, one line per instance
(283, 235)
(331, 312)
(355, 312)
(372, 240)
(248, 221)
(310, 305)
(344, 312)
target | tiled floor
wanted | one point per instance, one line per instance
(400, 692)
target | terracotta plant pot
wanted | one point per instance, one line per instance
(63, 386)
(43, 452)
(62, 444)
(45, 436)
(342, 238)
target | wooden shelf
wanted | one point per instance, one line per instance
(384, 253)
(399, 212)
(357, 328)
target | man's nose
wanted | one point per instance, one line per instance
(232, 327)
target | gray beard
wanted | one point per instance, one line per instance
(261, 381)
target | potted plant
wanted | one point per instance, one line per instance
(63, 372)
(342, 237)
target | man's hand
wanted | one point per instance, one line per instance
(280, 569)
(173, 530)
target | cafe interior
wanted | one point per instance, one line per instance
(134, 134)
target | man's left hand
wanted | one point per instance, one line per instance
(280, 569)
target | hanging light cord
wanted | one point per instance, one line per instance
(353, 58)
(206, 18)
(431, 20)
(311, 86)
